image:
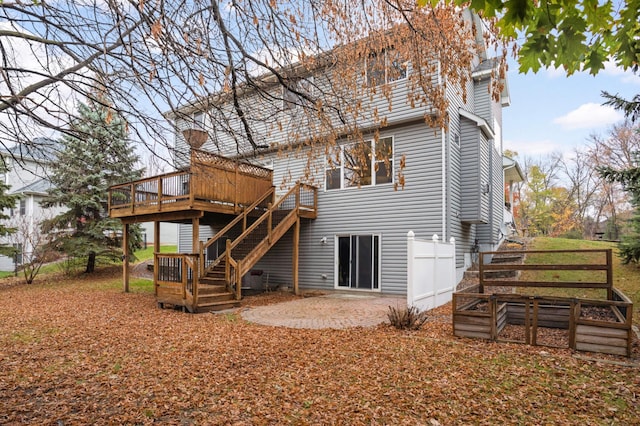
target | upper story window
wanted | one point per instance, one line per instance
(198, 120)
(292, 95)
(23, 207)
(361, 164)
(385, 67)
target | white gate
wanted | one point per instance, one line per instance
(431, 272)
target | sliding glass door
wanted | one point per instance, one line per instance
(358, 262)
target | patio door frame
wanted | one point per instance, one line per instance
(354, 248)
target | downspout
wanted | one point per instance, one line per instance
(491, 191)
(445, 184)
(443, 165)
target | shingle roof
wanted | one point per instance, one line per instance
(41, 186)
(39, 149)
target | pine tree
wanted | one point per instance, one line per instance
(7, 201)
(85, 168)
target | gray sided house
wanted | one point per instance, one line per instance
(454, 188)
(350, 231)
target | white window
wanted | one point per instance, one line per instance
(359, 164)
(198, 120)
(385, 67)
(23, 207)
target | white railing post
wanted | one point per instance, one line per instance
(410, 265)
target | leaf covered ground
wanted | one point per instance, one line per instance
(79, 351)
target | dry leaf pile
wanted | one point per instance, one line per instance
(82, 352)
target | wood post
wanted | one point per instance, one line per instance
(269, 222)
(125, 257)
(296, 253)
(609, 275)
(195, 241)
(159, 194)
(156, 237)
(156, 250)
(133, 197)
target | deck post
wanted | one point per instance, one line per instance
(296, 250)
(269, 222)
(195, 242)
(125, 257)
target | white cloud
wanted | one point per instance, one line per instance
(589, 116)
(553, 72)
(531, 148)
(611, 69)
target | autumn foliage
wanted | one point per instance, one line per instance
(79, 351)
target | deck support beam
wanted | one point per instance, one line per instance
(296, 254)
(195, 242)
(125, 257)
(156, 237)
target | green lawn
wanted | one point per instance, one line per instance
(625, 277)
(147, 254)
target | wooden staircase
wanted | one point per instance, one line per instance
(219, 284)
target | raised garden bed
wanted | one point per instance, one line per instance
(581, 324)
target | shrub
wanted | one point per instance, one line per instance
(406, 318)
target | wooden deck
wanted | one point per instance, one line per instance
(212, 184)
(210, 277)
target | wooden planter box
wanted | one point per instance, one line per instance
(611, 335)
(478, 319)
(551, 316)
(484, 316)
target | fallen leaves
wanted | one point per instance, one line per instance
(80, 351)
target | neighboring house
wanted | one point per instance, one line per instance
(512, 175)
(27, 168)
(354, 234)
(168, 233)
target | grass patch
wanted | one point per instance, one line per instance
(147, 253)
(625, 277)
(140, 285)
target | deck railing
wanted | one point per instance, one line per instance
(210, 178)
(176, 277)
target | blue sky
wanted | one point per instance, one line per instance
(552, 112)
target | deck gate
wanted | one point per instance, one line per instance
(431, 272)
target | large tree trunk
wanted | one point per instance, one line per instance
(91, 263)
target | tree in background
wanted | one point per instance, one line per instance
(628, 174)
(100, 156)
(155, 57)
(575, 35)
(7, 202)
(34, 242)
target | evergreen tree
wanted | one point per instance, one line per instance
(7, 201)
(630, 179)
(85, 168)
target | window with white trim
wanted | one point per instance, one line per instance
(360, 164)
(385, 67)
(198, 120)
(292, 95)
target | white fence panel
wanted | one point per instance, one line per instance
(431, 272)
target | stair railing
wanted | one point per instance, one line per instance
(243, 217)
(236, 264)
